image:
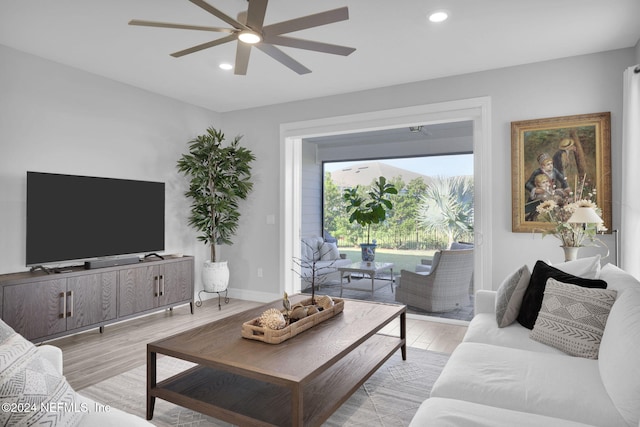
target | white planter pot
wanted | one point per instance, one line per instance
(570, 252)
(215, 276)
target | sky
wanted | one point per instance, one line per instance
(461, 164)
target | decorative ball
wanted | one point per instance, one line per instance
(272, 319)
(312, 309)
(325, 302)
(298, 312)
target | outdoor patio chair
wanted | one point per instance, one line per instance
(425, 263)
(444, 288)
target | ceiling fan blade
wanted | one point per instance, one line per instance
(204, 46)
(309, 21)
(242, 59)
(309, 45)
(283, 58)
(215, 12)
(255, 14)
(179, 26)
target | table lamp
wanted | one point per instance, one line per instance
(585, 215)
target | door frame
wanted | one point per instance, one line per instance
(477, 110)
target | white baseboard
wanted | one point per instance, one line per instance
(243, 294)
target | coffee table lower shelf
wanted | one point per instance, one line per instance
(251, 402)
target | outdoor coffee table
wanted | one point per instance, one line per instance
(299, 382)
(370, 269)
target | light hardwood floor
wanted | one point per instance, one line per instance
(92, 357)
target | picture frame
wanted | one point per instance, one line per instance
(579, 144)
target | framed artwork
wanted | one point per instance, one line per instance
(579, 147)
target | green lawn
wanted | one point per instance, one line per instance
(403, 259)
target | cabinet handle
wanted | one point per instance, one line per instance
(70, 314)
(161, 284)
(156, 281)
(64, 306)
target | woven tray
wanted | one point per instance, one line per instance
(253, 331)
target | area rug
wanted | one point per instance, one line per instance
(390, 397)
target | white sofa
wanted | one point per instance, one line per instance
(323, 256)
(33, 390)
(500, 376)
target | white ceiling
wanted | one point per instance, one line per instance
(394, 42)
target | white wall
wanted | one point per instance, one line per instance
(58, 119)
(577, 85)
(311, 221)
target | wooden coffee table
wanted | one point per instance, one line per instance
(299, 382)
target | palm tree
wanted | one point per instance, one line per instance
(447, 206)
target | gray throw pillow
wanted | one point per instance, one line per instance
(509, 296)
(329, 252)
(572, 318)
(35, 392)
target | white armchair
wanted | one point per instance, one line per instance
(444, 288)
(425, 263)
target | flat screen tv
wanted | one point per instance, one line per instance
(73, 217)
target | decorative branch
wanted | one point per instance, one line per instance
(313, 269)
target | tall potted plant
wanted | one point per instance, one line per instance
(220, 176)
(368, 210)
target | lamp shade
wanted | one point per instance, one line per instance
(585, 215)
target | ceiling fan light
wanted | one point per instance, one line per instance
(249, 37)
(438, 16)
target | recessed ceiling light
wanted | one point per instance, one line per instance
(226, 66)
(438, 16)
(249, 37)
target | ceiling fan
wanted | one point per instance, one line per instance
(249, 31)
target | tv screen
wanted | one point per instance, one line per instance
(79, 217)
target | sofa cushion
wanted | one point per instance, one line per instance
(587, 268)
(532, 299)
(26, 378)
(329, 251)
(460, 245)
(322, 269)
(618, 279)
(546, 384)
(509, 297)
(572, 318)
(483, 329)
(440, 412)
(620, 353)
(310, 248)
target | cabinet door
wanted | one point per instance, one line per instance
(91, 299)
(36, 310)
(138, 290)
(176, 280)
